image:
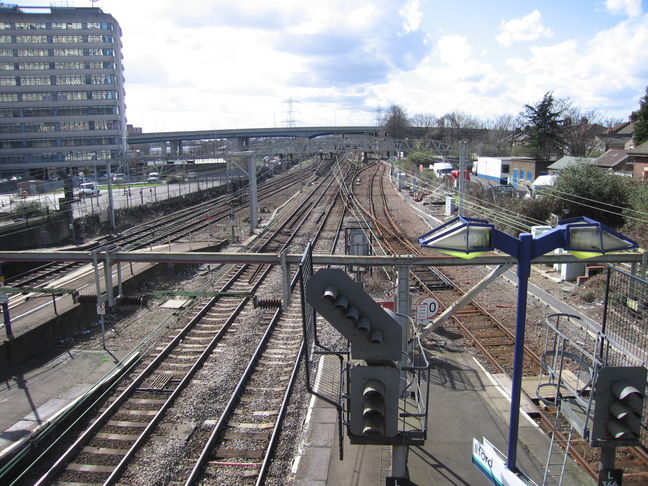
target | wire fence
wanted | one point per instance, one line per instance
(625, 319)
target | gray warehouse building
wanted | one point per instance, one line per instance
(61, 89)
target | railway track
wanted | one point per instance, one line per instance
(225, 333)
(492, 337)
(165, 229)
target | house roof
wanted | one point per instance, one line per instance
(625, 128)
(611, 158)
(640, 150)
(568, 161)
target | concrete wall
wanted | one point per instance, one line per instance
(65, 330)
(35, 233)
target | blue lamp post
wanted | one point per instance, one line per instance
(469, 237)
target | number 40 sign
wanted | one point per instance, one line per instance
(426, 310)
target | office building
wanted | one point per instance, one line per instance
(61, 89)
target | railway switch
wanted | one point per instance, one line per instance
(374, 333)
(373, 403)
(619, 394)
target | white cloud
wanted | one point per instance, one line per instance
(523, 29)
(454, 49)
(609, 67)
(412, 16)
(631, 8)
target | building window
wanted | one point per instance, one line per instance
(31, 39)
(33, 52)
(104, 95)
(40, 127)
(8, 97)
(9, 113)
(100, 52)
(67, 25)
(75, 125)
(33, 65)
(70, 65)
(10, 128)
(7, 66)
(105, 125)
(42, 96)
(38, 143)
(102, 79)
(72, 96)
(35, 80)
(5, 25)
(68, 52)
(8, 81)
(6, 52)
(30, 25)
(5, 39)
(70, 79)
(68, 39)
(31, 112)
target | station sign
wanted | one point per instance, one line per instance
(492, 464)
(426, 310)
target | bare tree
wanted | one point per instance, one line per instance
(457, 125)
(396, 122)
(497, 140)
(581, 130)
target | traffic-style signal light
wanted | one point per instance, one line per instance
(373, 403)
(619, 395)
(373, 333)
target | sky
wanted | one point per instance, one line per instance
(217, 64)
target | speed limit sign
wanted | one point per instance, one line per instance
(426, 310)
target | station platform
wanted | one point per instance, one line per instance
(466, 402)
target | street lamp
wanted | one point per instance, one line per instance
(469, 237)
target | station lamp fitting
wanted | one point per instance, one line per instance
(461, 237)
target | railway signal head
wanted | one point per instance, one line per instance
(373, 404)
(619, 394)
(373, 333)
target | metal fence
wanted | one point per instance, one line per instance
(625, 318)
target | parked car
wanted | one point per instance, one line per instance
(119, 178)
(89, 189)
(153, 178)
(191, 175)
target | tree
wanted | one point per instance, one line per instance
(396, 123)
(497, 138)
(581, 129)
(636, 225)
(586, 190)
(425, 121)
(544, 126)
(640, 119)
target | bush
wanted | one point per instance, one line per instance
(587, 190)
(29, 209)
(636, 227)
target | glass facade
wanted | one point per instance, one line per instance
(61, 88)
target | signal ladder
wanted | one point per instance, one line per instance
(557, 457)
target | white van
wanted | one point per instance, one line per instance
(442, 168)
(89, 189)
(153, 178)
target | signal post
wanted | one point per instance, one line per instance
(377, 410)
